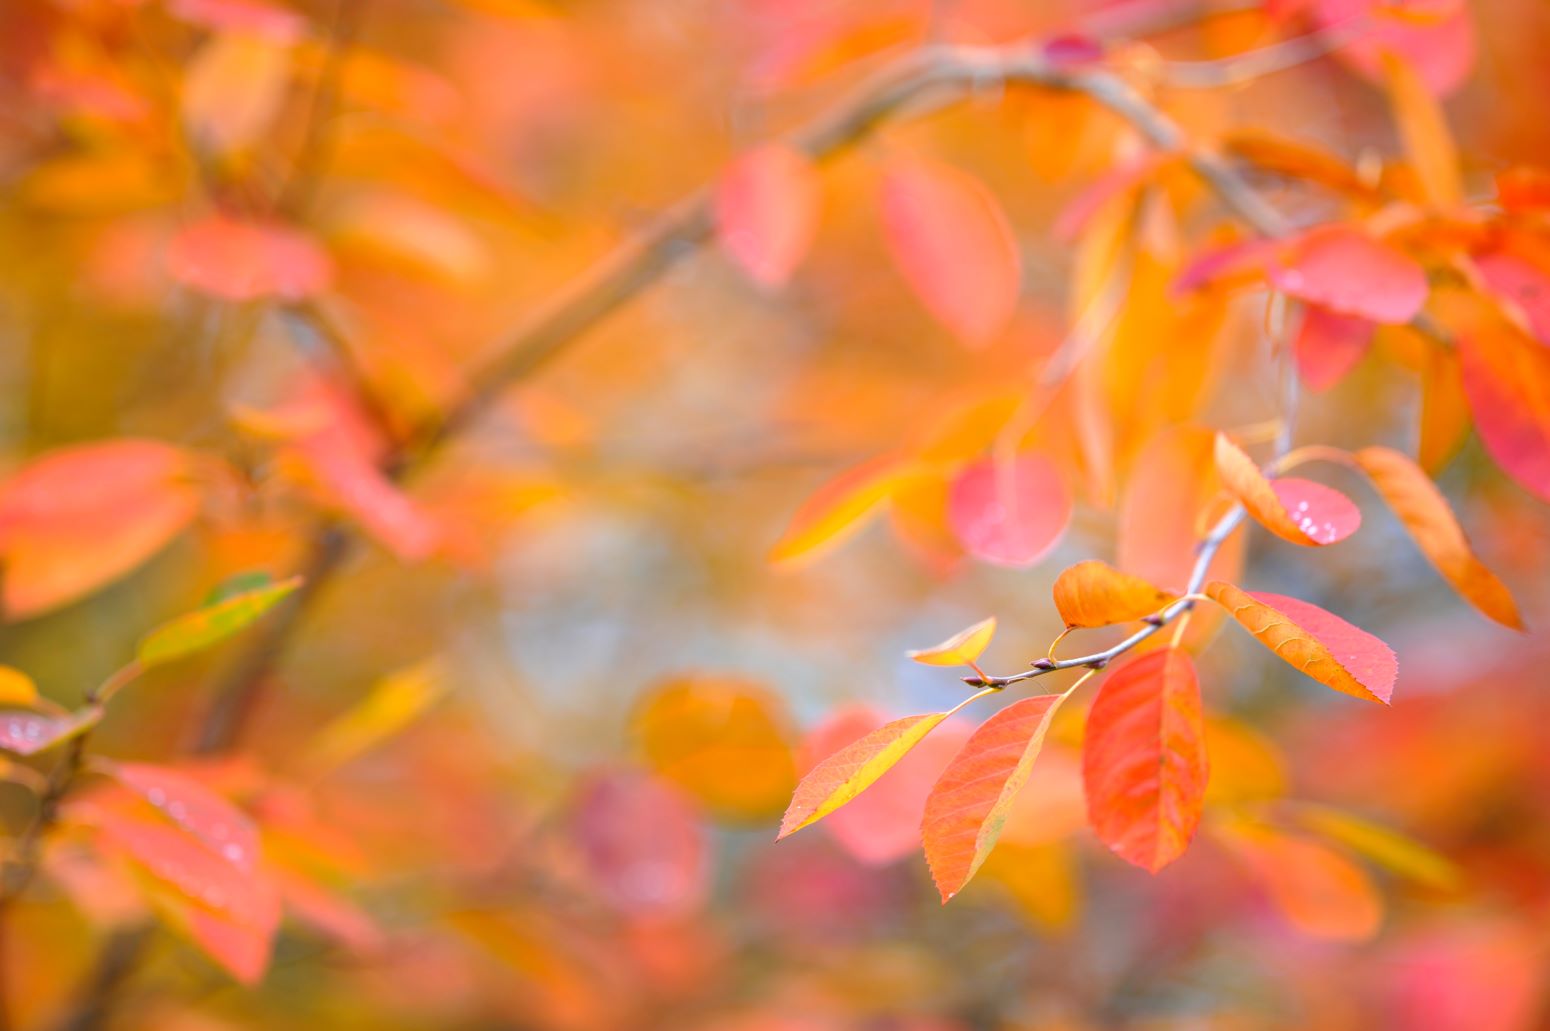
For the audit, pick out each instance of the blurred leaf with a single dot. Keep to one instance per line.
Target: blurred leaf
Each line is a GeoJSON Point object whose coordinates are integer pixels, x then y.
{"type": "Point", "coordinates": [1329, 346]}
{"type": "Point", "coordinates": [839, 509]}
{"type": "Point", "coordinates": [28, 733]}
{"type": "Point", "coordinates": [1318, 643]}
{"type": "Point", "coordinates": [395, 702]}
{"type": "Point", "coordinates": [1319, 891]}
{"type": "Point", "coordinates": [213, 820]}
{"type": "Point", "coordinates": [1424, 131]}
{"type": "Point", "coordinates": [233, 89]}
{"type": "Point", "coordinates": [211, 625]}
{"type": "Point", "coordinates": [17, 689]}
{"type": "Point", "coordinates": [1010, 513]}
{"type": "Point", "coordinates": [767, 211]}
{"type": "Point", "coordinates": [241, 259]}
{"type": "Point", "coordinates": [641, 843]}
{"type": "Point", "coordinates": [1387, 848]}
{"type": "Point", "coordinates": [1351, 273]}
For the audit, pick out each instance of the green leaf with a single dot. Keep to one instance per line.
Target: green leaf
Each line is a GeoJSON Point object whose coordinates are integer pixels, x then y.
{"type": "Point", "coordinates": [210, 625]}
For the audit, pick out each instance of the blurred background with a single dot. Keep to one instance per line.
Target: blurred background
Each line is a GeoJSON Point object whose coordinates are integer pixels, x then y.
{"type": "Point", "coordinates": [521, 760]}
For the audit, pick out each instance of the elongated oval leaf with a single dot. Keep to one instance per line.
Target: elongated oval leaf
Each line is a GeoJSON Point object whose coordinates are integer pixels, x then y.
{"type": "Point", "coordinates": [1094, 593]}
{"type": "Point", "coordinates": [1318, 643]}
{"type": "Point", "coordinates": [960, 649]}
{"type": "Point", "coordinates": [1329, 345]}
{"type": "Point", "coordinates": [1423, 129]}
{"type": "Point", "coordinates": [968, 807]}
{"type": "Point", "coordinates": [1144, 759]}
{"type": "Point", "coordinates": [1421, 507]}
{"type": "Point", "coordinates": [950, 239]}
{"type": "Point", "coordinates": [839, 509]}
{"type": "Point", "coordinates": [1386, 847]}
{"type": "Point", "coordinates": [766, 212]}
{"type": "Point", "coordinates": [28, 733]}
{"type": "Point", "coordinates": [1009, 513]}
{"type": "Point", "coordinates": [1347, 271]}
{"type": "Point", "coordinates": [210, 625]}
{"type": "Point", "coordinates": [223, 828]}
{"type": "Point", "coordinates": [1506, 376]}
{"type": "Point", "coordinates": [853, 769]}
{"type": "Point", "coordinates": [1293, 509]}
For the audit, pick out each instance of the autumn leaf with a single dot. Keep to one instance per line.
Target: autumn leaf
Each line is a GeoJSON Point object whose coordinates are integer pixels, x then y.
{"type": "Point", "coordinates": [1329, 345]}
{"type": "Point", "coordinates": [968, 807]}
{"type": "Point", "coordinates": [240, 259]}
{"type": "Point", "coordinates": [1144, 759]}
{"type": "Point", "coordinates": [1423, 510]}
{"type": "Point", "coordinates": [211, 625]}
{"type": "Point", "coordinates": [233, 90]}
{"type": "Point", "coordinates": [1010, 513]}
{"type": "Point", "coordinates": [1317, 889]}
{"type": "Point", "coordinates": [954, 246]}
{"type": "Point", "coordinates": [1435, 37]}
{"type": "Point", "coordinates": [856, 767]}
{"type": "Point", "coordinates": [213, 820]}
{"type": "Point", "coordinates": [1172, 493]}
{"type": "Point", "coordinates": [642, 843]}
{"type": "Point", "coordinates": [1094, 593]}
{"type": "Point", "coordinates": [1381, 845]}
{"type": "Point", "coordinates": [1349, 272]}
{"type": "Point", "coordinates": [28, 733]}
{"type": "Point", "coordinates": [839, 509]}
{"type": "Point", "coordinates": [392, 705]}
{"type": "Point", "coordinates": [1318, 643]}
{"type": "Point", "coordinates": [1293, 509]}
{"type": "Point", "coordinates": [961, 649]}
{"type": "Point", "coordinates": [1424, 131]}
{"type": "Point", "coordinates": [767, 211]}
{"type": "Point", "coordinates": [17, 689]}
{"type": "Point", "coordinates": [1506, 376]}
{"type": "Point", "coordinates": [78, 518]}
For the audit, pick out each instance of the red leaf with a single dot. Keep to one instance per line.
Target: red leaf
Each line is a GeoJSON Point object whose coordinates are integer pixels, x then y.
{"type": "Point", "coordinates": [767, 211]}
{"type": "Point", "coordinates": [1437, 37]}
{"type": "Point", "coordinates": [968, 807]}
{"type": "Point", "coordinates": [1351, 273]}
{"type": "Point", "coordinates": [1329, 346]}
{"type": "Point", "coordinates": [1507, 383]}
{"type": "Point", "coordinates": [223, 828]}
{"type": "Point", "coordinates": [80, 517]}
{"type": "Point", "coordinates": [1522, 283]}
{"type": "Point", "coordinates": [1323, 513]}
{"type": "Point", "coordinates": [244, 260]}
{"type": "Point", "coordinates": [1144, 759]}
{"type": "Point", "coordinates": [953, 244]}
{"type": "Point", "coordinates": [1009, 513]}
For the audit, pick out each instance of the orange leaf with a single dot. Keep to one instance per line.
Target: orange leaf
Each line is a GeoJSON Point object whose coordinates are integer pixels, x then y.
{"type": "Point", "coordinates": [1318, 643]}
{"type": "Point", "coordinates": [1506, 375]}
{"type": "Point", "coordinates": [968, 807]}
{"type": "Point", "coordinates": [1144, 759]}
{"type": "Point", "coordinates": [1094, 593]}
{"type": "Point", "coordinates": [767, 210]}
{"type": "Point", "coordinates": [1436, 37]}
{"type": "Point", "coordinates": [960, 649]}
{"type": "Point", "coordinates": [80, 517]}
{"type": "Point", "coordinates": [1170, 496]}
{"type": "Point", "coordinates": [1009, 513]}
{"type": "Point", "coordinates": [214, 821]}
{"type": "Point", "coordinates": [245, 259]}
{"type": "Point", "coordinates": [854, 768]}
{"type": "Point", "coordinates": [1296, 510]}
{"type": "Point", "coordinates": [1351, 273]}
{"type": "Point", "coordinates": [953, 244]}
{"type": "Point", "coordinates": [233, 90]}
{"type": "Point", "coordinates": [1424, 131]}
{"type": "Point", "coordinates": [839, 509]}
{"type": "Point", "coordinates": [1425, 512]}
{"type": "Point", "coordinates": [1317, 889]}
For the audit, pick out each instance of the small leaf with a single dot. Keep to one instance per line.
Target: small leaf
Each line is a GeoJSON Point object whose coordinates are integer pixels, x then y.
{"type": "Point", "coordinates": [839, 509]}
{"type": "Point", "coordinates": [1318, 890]}
{"type": "Point", "coordinates": [28, 733]}
{"type": "Point", "coordinates": [1009, 513]}
{"type": "Point", "coordinates": [1144, 759]}
{"type": "Point", "coordinates": [968, 807]}
{"type": "Point", "coordinates": [1318, 643]}
{"type": "Point", "coordinates": [209, 626]}
{"type": "Point", "coordinates": [766, 212]}
{"type": "Point", "coordinates": [1329, 346]}
{"type": "Point", "coordinates": [960, 649]}
{"type": "Point", "coordinates": [1094, 593]}
{"type": "Point", "coordinates": [1388, 848]}
{"type": "Point", "coordinates": [1351, 273]}
{"type": "Point", "coordinates": [1296, 510]}
{"type": "Point", "coordinates": [17, 689]}
{"type": "Point", "coordinates": [223, 828]}
{"type": "Point", "coordinates": [393, 704]}
{"type": "Point", "coordinates": [856, 767]}
{"type": "Point", "coordinates": [1423, 510]}
{"type": "Point", "coordinates": [950, 239]}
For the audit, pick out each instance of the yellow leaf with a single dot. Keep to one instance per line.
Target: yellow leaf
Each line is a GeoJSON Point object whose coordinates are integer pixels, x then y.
{"type": "Point", "coordinates": [1424, 132]}
{"type": "Point", "coordinates": [393, 704]}
{"type": "Point", "coordinates": [960, 649]}
{"type": "Point", "coordinates": [17, 688]}
{"type": "Point", "coordinates": [839, 509]}
{"type": "Point", "coordinates": [1093, 593]}
{"type": "Point", "coordinates": [1384, 846]}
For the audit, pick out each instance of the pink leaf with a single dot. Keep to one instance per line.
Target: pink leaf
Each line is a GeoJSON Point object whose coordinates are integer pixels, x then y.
{"type": "Point", "coordinates": [953, 244]}
{"type": "Point", "coordinates": [1009, 513]}
{"type": "Point", "coordinates": [1436, 37]}
{"type": "Point", "coordinates": [244, 260]}
{"type": "Point", "coordinates": [1329, 346]}
{"type": "Point", "coordinates": [767, 211]}
{"type": "Point", "coordinates": [1351, 273]}
{"type": "Point", "coordinates": [1322, 513]}
{"type": "Point", "coordinates": [223, 828]}
{"type": "Point", "coordinates": [641, 841]}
